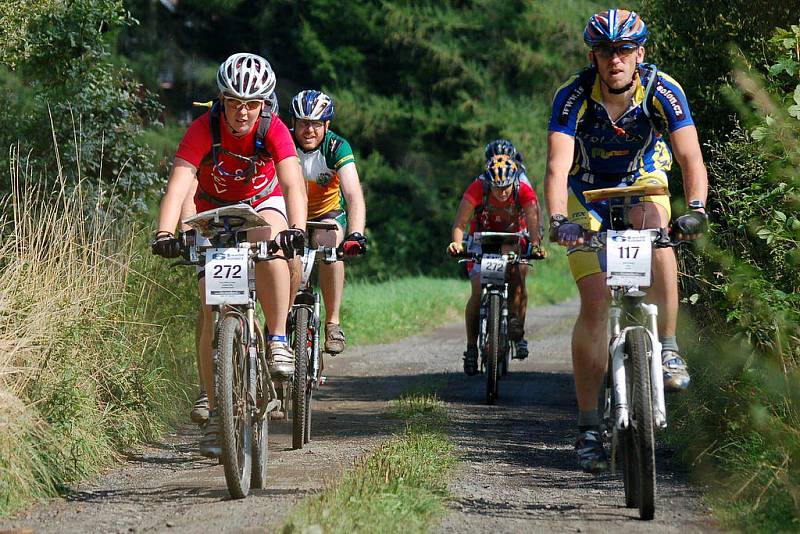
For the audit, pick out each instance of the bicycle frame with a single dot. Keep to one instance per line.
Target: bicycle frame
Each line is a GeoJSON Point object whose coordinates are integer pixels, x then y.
{"type": "Point", "coordinates": [227, 236]}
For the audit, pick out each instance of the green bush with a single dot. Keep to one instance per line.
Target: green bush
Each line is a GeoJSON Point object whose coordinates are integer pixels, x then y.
{"type": "Point", "coordinates": [59, 82]}
{"type": "Point", "coordinates": [740, 418]}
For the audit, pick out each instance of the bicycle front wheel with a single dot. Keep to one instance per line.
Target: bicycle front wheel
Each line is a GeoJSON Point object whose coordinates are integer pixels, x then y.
{"type": "Point", "coordinates": [492, 348]}
{"type": "Point", "coordinates": [643, 439]}
{"type": "Point", "coordinates": [258, 479]}
{"type": "Point", "coordinates": [300, 383]}
{"type": "Point", "coordinates": [232, 404]}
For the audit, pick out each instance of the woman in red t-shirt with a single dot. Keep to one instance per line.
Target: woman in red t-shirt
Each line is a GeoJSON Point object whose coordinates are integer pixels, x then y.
{"type": "Point", "coordinates": [502, 210]}
{"type": "Point", "coordinates": [235, 173]}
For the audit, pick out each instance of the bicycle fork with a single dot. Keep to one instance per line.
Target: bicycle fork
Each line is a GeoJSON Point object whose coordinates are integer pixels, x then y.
{"type": "Point", "coordinates": [617, 349]}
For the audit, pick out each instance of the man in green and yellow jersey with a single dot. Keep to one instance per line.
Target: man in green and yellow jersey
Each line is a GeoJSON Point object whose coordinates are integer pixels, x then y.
{"type": "Point", "coordinates": [329, 168]}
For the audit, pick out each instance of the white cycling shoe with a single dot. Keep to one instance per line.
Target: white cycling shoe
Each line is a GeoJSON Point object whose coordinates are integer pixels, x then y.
{"type": "Point", "coordinates": [281, 360]}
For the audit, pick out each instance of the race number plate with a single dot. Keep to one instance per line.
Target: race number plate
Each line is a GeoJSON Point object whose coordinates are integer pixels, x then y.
{"type": "Point", "coordinates": [226, 276]}
{"type": "Point", "coordinates": [628, 255]}
{"type": "Point", "coordinates": [493, 269]}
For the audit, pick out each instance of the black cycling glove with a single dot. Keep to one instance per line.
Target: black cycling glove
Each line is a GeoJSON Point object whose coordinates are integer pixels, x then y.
{"type": "Point", "coordinates": [291, 241]}
{"type": "Point", "coordinates": [166, 245]}
{"type": "Point", "coordinates": [691, 223]}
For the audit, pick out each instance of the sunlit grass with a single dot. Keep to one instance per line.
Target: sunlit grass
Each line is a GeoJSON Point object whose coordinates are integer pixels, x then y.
{"type": "Point", "coordinates": [400, 488]}
{"type": "Point", "coordinates": [385, 311]}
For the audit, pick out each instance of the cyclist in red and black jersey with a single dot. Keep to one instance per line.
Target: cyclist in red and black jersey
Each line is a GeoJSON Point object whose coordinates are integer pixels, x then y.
{"type": "Point", "coordinates": [240, 151]}
{"type": "Point", "coordinates": [499, 202]}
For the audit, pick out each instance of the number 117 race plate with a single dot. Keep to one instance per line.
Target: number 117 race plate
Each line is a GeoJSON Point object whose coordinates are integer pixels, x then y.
{"type": "Point", "coordinates": [628, 254]}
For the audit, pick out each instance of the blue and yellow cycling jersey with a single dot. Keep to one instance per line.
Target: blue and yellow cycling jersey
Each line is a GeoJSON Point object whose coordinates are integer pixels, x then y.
{"type": "Point", "coordinates": [615, 154]}
{"type": "Point", "coordinates": [633, 145]}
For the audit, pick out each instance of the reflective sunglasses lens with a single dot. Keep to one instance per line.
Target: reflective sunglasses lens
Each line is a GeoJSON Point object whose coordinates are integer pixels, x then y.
{"type": "Point", "coordinates": [237, 104]}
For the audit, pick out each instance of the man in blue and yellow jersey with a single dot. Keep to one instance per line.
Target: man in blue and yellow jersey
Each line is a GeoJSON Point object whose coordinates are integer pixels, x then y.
{"type": "Point", "coordinates": [332, 182]}
{"type": "Point", "coordinates": [607, 129]}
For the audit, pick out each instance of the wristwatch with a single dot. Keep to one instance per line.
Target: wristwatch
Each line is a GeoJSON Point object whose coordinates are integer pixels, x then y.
{"type": "Point", "coordinates": [556, 221]}
{"type": "Point", "coordinates": [696, 205]}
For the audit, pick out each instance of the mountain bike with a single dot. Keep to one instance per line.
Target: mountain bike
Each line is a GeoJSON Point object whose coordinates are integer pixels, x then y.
{"type": "Point", "coordinates": [494, 252]}
{"type": "Point", "coordinates": [245, 392]}
{"type": "Point", "coordinates": [632, 400]}
{"type": "Point", "coordinates": [304, 322]}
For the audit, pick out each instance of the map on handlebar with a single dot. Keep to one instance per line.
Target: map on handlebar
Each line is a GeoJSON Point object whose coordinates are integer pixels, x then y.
{"type": "Point", "coordinates": [236, 218]}
{"type": "Point", "coordinates": [595, 195]}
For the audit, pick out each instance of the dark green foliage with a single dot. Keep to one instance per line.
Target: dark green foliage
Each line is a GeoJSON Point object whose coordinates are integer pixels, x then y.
{"type": "Point", "coordinates": [419, 88]}
{"type": "Point", "coordinates": [691, 40]}
{"type": "Point", "coordinates": [741, 416]}
{"type": "Point", "coordinates": [66, 103]}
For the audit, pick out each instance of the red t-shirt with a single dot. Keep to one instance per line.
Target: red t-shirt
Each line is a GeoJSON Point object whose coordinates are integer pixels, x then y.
{"type": "Point", "coordinates": [499, 216]}
{"type": "Point", "coordinates": [196, 145]}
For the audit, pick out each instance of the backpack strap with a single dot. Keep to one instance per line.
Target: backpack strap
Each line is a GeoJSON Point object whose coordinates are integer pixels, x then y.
{"type": "Point", "coordinates": [649, 72]}
{"type": "Point", "coordinates": [484, 205]}
{"type": "Point", "coordinates": [216, 137]}
{"type": "Point", "coordinates": [261, 132]}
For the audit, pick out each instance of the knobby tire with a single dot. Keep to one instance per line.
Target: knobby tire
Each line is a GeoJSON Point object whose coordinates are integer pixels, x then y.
{"type": "Point", "coordinates": [232, 404]}
{"type": "Point", "coordinates": [492, 348]}
{"type": "Point", "coordinates": [300, 408]}
{"type": "Point", "coordinates": [258, 480]}
{"type": "Point", "coordinates": [643, 442]}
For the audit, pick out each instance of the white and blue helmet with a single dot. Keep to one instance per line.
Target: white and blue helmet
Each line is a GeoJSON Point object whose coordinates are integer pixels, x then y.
{"type": "Point", "coordinates": [312, 105]}
{"type": "Point", "coordinates": [615, 26]}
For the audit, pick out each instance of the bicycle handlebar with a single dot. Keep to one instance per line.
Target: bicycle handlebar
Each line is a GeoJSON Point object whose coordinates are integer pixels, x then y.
{"type": "Point", "coordinates": [596, 241]}
{"type": "Point", "coordinates": [265, 251]}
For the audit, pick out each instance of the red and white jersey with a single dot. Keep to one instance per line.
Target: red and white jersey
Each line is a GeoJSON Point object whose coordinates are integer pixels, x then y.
{"type": "Point", "coordinates": [195, 148]}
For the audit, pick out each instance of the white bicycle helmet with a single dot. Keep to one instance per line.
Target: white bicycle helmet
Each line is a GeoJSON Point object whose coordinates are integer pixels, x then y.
{"type": "Point", "coordinates": [246, 76]}
{"type": "Point", "coordinates": [312, 105]}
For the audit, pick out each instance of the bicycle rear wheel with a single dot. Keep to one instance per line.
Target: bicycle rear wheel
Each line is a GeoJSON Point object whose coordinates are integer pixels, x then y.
{"type": "Point", "coordinates": [643, 439]}
{"type": "Point", "coordinates": [300, 382]}
{"type": "Point", "coordinates": [492, 348]}
{"type": "Point", "coordinates": [258, 479]}
{"type": "Point", "coordinates": [232, 404]}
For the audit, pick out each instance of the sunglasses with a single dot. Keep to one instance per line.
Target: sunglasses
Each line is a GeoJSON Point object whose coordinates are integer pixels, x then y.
{"type": "Point", "coordinates": [607, 52]}
{"type": "Point", "coordinates": [302, 124]}
{"type": "Point", "coordinates": [237, 104]}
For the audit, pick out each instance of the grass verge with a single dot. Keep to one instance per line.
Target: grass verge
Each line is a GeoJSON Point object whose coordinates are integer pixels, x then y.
{"type": "Point", "coordinates": [738, 429]}
{"type": "Point", "coordinates": [401, 487]}
{"type": "Point", "coordinates": [96, 341]}
{"type": "Point", "coordinates": [383, 312]}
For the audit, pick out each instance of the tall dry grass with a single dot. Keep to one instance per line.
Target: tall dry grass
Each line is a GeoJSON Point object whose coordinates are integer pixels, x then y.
{"type": "Point", "coordinates": [94, 347]}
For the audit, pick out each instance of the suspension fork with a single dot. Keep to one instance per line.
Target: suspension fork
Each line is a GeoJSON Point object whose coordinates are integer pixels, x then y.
{"type": "Point", "coordinates": [650, 314]}
{"type": "Point", "coordinates": [616, 351]}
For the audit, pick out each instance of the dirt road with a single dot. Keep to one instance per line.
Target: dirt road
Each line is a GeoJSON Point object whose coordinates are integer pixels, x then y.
{"type": "Point", "coordinates": [518, 473]}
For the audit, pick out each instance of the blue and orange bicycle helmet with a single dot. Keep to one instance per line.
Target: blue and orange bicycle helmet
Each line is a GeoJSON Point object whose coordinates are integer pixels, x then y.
{"type": "Point", "coordinates": [501, 171]}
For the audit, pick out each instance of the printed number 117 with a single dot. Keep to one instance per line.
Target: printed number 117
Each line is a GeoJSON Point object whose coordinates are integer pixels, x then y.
{"type": "Point", "coordinates": [625, 252]}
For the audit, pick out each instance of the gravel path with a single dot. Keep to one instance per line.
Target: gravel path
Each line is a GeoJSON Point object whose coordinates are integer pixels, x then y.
{"type": "Point", "coordinates": [517, 472]}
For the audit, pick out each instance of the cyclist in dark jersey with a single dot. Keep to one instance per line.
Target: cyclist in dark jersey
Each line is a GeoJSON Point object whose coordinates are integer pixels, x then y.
{"type": "Point", "coordinates": [607, 129]}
